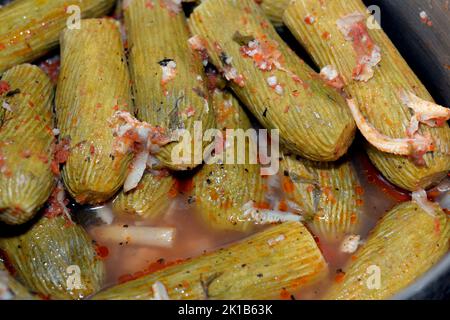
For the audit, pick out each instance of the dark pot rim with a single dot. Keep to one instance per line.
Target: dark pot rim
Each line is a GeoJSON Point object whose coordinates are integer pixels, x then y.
{"type": "Point", "coordinates": [434, 284]}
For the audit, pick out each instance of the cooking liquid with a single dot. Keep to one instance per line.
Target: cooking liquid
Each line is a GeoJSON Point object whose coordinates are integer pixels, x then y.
{"type": "Point", "coordinates": [193, 237]}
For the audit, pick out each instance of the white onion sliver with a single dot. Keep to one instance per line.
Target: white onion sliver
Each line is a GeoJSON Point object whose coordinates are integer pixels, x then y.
{"type": "Point", "coordinates": [329, 72]}
{"type": "Point", "coordinates": [133, 235]}
{"type": "Point", "coordinates": [138, 168]}
{"type": "Point", "coordinates": [159, 291]}
{"type": "Point", "coordinates": [420, 197]}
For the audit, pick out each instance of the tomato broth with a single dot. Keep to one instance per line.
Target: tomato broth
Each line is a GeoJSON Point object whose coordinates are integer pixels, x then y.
{"type": "Point", "coordinates": [193, 237]}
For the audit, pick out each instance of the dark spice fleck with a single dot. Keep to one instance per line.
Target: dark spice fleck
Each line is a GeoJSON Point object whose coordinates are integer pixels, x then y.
{"type": "Point", "coordinates": [12, 93]}
{"type": "Point", "coordinates": [340, 271]}
{"type": "Point", "coordinates": [165, 62]}
{"type": "Point", "coordinates": [191, 199]}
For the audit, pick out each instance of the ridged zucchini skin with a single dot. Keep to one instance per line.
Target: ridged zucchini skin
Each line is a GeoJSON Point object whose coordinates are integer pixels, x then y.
{"type": "Point", "coordinates": [221, 190]}
{"type": "Point", "coordinates": [404, 245]}
{"type": "Point", "coordinates": [30, 28]}
{"type": "Point", "coordinates": [313, 119]}
{"type": "Point", "coordinates": [93, 84]}
{"type": "Point", "coordinates": [156, 35]}
{"type": "Point", "coordinates": [149, 200]}
{"type": "Point", "coordinates": [15, 290]}
{"type": "Point", "coordinates": [274, 10]}
{"type": "Point", "coordinates": [254, 268]}
{"type": "Point", "coordinates": [26, 144]}
{"type": "Point", "coordinates": [41, 257]}
{"type": "Point", "coordinates": [378, 99]}
{"type": "Point", "coordinates": [329, 193]}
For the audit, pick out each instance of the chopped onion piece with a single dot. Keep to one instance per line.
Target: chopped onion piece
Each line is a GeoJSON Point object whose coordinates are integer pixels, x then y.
{"type": "Point", "coordinates": [264, 53]}
{"type": "Point", "coordinates": [423, 15]}
{"type": "Point", "coordinates": [169, 71]}
{"type": "Point", "coordinates": [350, 243]}
{"type": "Point", "coordinates": [139, 137]}
{"type": "Point", "coordinates": [345, 24]}
{"type": "Point", "coordinates": [272, 81]}
{"type": "Point", "coordinates": [124, 123]}
{"type": "Point", "coordinates": [331, 76]}
{"type": "Point", "coordinates": [368, 63]}
{"type": "Point", "coordinates": [329, 73]}
{"type": "Point", "coordinates": [197, 43]}
{"type": "Point", "coordinates": [354, 29]}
